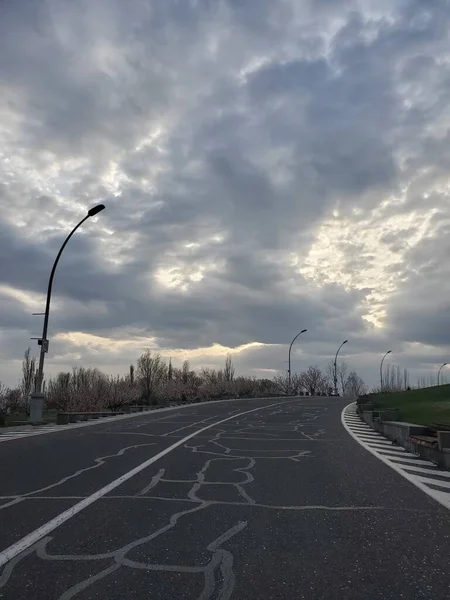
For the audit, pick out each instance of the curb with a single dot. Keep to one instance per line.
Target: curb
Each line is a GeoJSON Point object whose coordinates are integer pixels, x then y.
{"type": "Point", "coordinates": [397, 458]}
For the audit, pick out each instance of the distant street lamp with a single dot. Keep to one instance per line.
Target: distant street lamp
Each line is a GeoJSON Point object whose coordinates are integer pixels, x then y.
{"type": "Point", "coordinates": [439, 372]}
{"type": "Point", "coordinates": [335, 367]}
{"type": "Point", "coordinates": [381, 370]}
{"type": "Point", "coordinates": [37, 398]}
{"type": "Point", "coordinates": [289, 361]}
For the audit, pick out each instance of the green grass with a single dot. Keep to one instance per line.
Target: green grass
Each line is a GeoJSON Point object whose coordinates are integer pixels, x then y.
{"type": "Point", "coordinates": [424, 406]}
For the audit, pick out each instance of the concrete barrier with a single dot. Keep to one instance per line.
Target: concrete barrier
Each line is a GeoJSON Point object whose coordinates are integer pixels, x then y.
{"type": "Point", "coordinates": [400, 433]}
{"type": "Point", "coordinates": [443, 440]}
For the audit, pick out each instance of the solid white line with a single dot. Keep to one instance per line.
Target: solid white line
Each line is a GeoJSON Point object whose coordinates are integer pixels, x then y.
{"type": "Point", "coordinates": [441, 497]}
{"type": "Point", "coordinates": [381, 442]}
{"type": "Point", "coordinates": [37, 534]}
{"type": "Point", "coordinates": [431, 471]}
{"type": "Point", "coordinates": [405, 461]}
{"type": "Point", "coordinates": [62, 428]}
{"type": "Point", "coordinates": [394, 451]}
{"type": "Point", "coordinates": [363, 430]}
{"type": "Point", "coordinates": [444, 484]}
{"type": "Point", "coordinates": [396, 454]}
{"type": "Point", "coordinates": [385, 446]}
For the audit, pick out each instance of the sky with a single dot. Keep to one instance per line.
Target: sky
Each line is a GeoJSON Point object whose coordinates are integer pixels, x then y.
{"type": "Point", "coordinates": [265, 166]}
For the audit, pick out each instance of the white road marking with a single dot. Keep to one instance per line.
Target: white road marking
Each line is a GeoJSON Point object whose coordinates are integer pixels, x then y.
{"type": "Point", "coordinates": [366, 430]}
{"type": "Point", "coordinates": [400, 463]}
{"type": "Point", "coordinates": [9, 436]}
{"type": "Point", "coordinates": [444, 484]}
{"type": "Point", "coordinates": [386, 446]}
{"type": "Point", "coordinates": [33, 537]}
{"type": "Point", "coordinates": [431, 470]}
{"type": "Point", "coordinates": [382, 443]}
{"type": "Point", "coordinates": [400, 460]}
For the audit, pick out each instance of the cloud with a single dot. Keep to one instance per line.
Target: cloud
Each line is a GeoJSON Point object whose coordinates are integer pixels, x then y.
{"type": "Point", "coordinates": [265, 166]}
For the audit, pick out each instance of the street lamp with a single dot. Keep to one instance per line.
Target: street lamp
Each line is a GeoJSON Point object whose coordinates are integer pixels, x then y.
{"type": "Point", "coordinates": [439, 372]}
{"type": "Point", "coordinates": [37, 398]}
{"type": "Point", "coordinates": [335, 367]}
{"type": "Point", "coordinates": [289, 361]}
{"type": "Point", "coordinates": [381, 370]}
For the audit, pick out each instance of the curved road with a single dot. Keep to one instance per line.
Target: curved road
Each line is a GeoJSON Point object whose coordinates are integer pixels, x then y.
{"type": "Point", "coordinates": [271, 499]}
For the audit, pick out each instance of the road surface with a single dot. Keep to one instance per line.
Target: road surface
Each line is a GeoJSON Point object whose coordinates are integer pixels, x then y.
{"type": "Point", "coordinates": [272, 499]}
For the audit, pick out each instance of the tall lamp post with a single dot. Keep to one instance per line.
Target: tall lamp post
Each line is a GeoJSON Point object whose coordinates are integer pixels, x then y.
{"type": "Point", "coordinates": [37, 398]}
{"type": "Point", "coordinates": [335, 367]}
{"type": "Point", "coordinates": [439, 372]}
{"type": "Point", "coordinates": [289, 359]}
{"type": "Point", "coordinates": [381, 370]}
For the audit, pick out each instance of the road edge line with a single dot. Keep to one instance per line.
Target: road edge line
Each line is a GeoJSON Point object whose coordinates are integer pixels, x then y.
{"type": "Point", "coordinates": [114, 418]}
{"type": "Point", "coordinates": [428, 491]}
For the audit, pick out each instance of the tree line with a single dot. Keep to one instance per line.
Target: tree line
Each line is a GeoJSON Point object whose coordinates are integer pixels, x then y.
{"type": "Point", "coordinates": [396, 379]}
{"type": "Point", "coordinates": [156, 381]}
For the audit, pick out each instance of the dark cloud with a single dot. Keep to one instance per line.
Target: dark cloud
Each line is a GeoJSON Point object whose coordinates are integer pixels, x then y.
{"type": "Point", "coordinates": [225, 138]}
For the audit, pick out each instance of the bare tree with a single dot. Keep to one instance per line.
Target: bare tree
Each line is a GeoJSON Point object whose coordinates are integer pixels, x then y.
{"type": "Point", "coordinates": [151, 371]}
{"type": "Point", "coordinates": [355, 385]}
{"type": "Point", "coordinates": [313, 380]}
{"type": "Point", "coordinates": [208, 376]}
{"type": "Point", "coordinates": [82, 390]}
{"type": "Point", "coordinates": [282, 383]}
{"type": "Point", "coordinates": [393, 381]}
{"type": "Point", "coordinates": [405, 379]}
{"type": "Point", "coordinates": [58, 393]}
{"type": "Point", "coordinates": [120, 392]}
{"type": "Point", "coordinates": [341, 373]}
{"type": "Point", "coordinates": [229, 369]}
{"type": "Point", "coordinates": [185, 372]}
{"type": "Point", "coordinates": [3, 398]}
{"type": "Point", "coordinates": [28, 376]}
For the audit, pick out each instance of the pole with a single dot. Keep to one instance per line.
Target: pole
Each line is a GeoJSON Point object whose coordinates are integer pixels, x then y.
{"type": "Point", "coordinates": [37, 398]}
{"type": "Point", "coordinates": [289, 359]}
{"type": "Point", "coordinates": [381, 370]}
{"type": "Point", "coordinates": [335, 368]}
{"type": "Point", "coordinates": [439, 372]}
{"type": "Point", "coordinates": [44, 347]}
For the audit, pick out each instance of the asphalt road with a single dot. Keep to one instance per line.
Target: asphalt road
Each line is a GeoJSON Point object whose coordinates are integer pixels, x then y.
{"type": "Point", "coordinates": [277, 503]}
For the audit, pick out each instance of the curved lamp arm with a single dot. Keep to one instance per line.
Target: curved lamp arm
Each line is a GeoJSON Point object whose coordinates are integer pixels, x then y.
{"type": "Point", "coordinates": [38, 385]}
{"type": "Point", "coordinates": [289, 359]}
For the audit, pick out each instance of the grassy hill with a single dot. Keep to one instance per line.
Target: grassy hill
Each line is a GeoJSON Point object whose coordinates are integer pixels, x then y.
{"type": "Point", "coordinates": [424, 406]}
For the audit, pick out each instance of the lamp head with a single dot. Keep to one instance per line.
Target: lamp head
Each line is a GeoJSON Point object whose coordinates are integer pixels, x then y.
{"type": "Point", "coordinates": [95, 210]}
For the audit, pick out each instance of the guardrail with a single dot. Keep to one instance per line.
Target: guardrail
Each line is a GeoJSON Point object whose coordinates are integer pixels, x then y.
{"type": "Point", "coordinates": [64, 418]}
